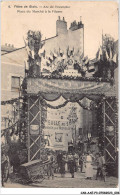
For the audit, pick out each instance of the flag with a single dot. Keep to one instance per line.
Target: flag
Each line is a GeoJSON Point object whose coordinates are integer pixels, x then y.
{"type": "Point", "coordinates": [91, 67]}
{"type": "Point", "coordinates": [115, 58]}
{"type": "Point", "coordinates": [77, 59]}
{"type": "Point", "coordinates": [42, 52]}
{"type": "Point", "coordinates": [44, 63]}
{"type": "Point", "coordinates": [106, 54]}
{"type": "Point", "coordinates": [99, 54]}
{"type": "Point", "coordinates": [68, 52]}
{"type": "Point", "coordinates": [85, 60]}
{"type": "Point", "coordinates": [29, 51]}
{"type": "Point", "coordinates": [64, 57]}
{"type": "Point", "coordinates": [82, 55]}
{"type": "Point", "coordinates": [60, 51]}
{"type": "Point", "coordinates": [26, 64]}
{"type": "Point", "coordinates": [51, 54]}
{"type": "Point", "coordinates": [48, 62]}
{"type": "Point", "coordinates": [77, 53]}
{"type": "Point", "coordinates": [110, 54]}
{"type": "Point", "coordinates": [32, 52]}
{"type": "Point", "coordinates": [104, 37]}
{"type": "Point", "coordinates": [49, 57]}
{"type": "Point", "coordinates": [81, 59]}
{"type": "Point", "coordinates": [72, 52]}
{"type": "Point", "coordinates": [26, 67]}
{"type": "Point", "coordinates": [85, 68]}
{"type": "Point", "coordinates": [55, 54]}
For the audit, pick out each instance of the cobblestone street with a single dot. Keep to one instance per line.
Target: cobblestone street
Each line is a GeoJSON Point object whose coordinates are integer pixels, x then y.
{"type": "Point", "coordinates": [78, 182]}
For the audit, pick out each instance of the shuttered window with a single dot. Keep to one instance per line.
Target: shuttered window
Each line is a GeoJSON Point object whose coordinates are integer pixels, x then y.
{"type": "Point", "coordinates": [15, 82]}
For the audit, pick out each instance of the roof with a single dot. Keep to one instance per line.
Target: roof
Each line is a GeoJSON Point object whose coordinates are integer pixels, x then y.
{"type": "Point", "coordinates": [18, 56]}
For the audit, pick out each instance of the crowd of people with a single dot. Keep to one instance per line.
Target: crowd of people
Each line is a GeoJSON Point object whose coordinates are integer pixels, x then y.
{"type": "Point", "coordinates": [62, 162]}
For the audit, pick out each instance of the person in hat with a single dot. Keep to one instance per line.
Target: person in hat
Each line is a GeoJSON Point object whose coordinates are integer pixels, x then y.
{"type": "Point", "coordinates": [59, 160]}
{"type": "Point", "coordinates": [61, 163]}
{"type": "Point", "coordinates": [100, 165]}
{"type": "Point", "coordinates": [76, 157]}
{"type": "Point", "coordinates": [71, 163]}
{"type": "Point", "coordinates": [51, 165]}
{"type": "Point", "coordinates": [82, 162]}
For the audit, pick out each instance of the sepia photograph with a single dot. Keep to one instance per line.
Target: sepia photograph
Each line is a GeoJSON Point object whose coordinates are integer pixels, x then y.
{"type": "Point", "coordinates": [59, 94]}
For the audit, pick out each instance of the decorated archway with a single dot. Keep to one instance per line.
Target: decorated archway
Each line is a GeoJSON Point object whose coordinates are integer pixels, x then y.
{"type": "Point", "coordinates": [40, 92]}
{"type": "Point", "coordinates": [66, 77]}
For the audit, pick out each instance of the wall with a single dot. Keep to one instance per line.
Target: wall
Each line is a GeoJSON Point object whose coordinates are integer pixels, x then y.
{"type": "Point", "coordinates": [12, 64]}
{"type": "Point", "coordinates": [71, 39]}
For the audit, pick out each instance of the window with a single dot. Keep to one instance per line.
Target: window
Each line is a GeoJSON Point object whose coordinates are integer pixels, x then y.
{"type": "Point", "coordinates": [15, 82]}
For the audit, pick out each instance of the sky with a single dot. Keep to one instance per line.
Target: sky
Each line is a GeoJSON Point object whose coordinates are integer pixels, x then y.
{"type": "Point", "coordinates": [96, 16]}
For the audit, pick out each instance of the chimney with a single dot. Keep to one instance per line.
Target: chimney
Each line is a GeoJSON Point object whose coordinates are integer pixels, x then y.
{"type": "Point", "coordinates": [73, 26]}
{"type": "Point", "coordinates": [81, 19]}
{"type": "Point", "coordinates": [80, 24]}
{"type": "Point", "coordinates": [61, 26]}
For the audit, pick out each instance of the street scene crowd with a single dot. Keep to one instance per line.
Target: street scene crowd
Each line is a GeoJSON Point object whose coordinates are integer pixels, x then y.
{"type": "Point", "coordinates": [62, 162]}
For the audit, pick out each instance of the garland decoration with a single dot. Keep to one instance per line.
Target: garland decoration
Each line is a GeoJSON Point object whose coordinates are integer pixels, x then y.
{"type": "Point", "coordinates": [10, 127]}
{"type": "Point", "coordinates": [57, 63]}
{"type": "Point", "coordinates": [11, 101]}
{"type": "Point", "coordinates": [93, 105]}
{"type": "Point", "coordinates": [54, 107]}
{"type": "Point", "coordinates": [62, 77]}
{"type": "Point", "coordinates": [43, 115]}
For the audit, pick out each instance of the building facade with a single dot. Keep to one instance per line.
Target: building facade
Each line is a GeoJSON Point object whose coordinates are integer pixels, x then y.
{"type": "Point", "coordinates": [57, 132]}
{"type": "Point", "coordinates": [13, 62]}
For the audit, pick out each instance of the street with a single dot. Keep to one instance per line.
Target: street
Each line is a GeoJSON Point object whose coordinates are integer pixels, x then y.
{"type": "Point", "coordinates": [79, 181]}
